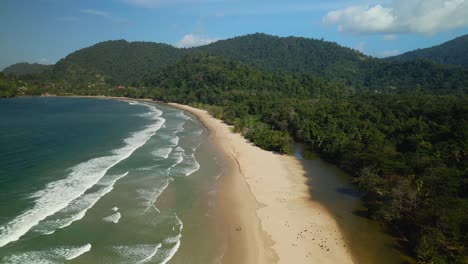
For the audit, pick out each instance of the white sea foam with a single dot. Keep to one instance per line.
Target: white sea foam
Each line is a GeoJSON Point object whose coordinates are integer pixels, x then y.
{"type": "Point", "coordinates": [178, 155]}
{"type": "Point", "coordinates": [137, 253]}
{"type": "Point", "coordinates": [77, 209]}
{"type": "Point", "coordinates": [198, 132]}
{"type": "Point", "coordinates": [191, 166]}
{"type": "Point", "coordinates": [187, 166]}
{"type": "Point", "coordinates": [148, 168]}
{"type": "Point", "coordinates": [73, 253]}
{"type": "Point", "coordinates": [153, 114]}
{"type": "Point", "coordinates": [183, 115]}
{"type": "Point", "coordinates": [150, 196]}
{"type": "Point", "coordinates": [162, 152]}
{"type": "Point", "coordinates": [161, 252]}
{"type": "Point", "coordinates": [168, 254]}
{"type": "Point", "coordinates": [54, 255]}
{"type": "Point", "coordinates": [59, 194]}
{"type": "Point", "coordinates": [113, 218]}
{"type": "Point", "coordinates": [174, 141]}
{"type": "Point", "coordinates": [158, 246]}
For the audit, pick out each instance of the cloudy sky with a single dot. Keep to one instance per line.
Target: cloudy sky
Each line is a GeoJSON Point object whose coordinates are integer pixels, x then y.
{"type": "Point", "coordinates": [46, 30]}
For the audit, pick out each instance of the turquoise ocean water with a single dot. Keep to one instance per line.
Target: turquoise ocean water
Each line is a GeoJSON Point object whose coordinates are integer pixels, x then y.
{"type": "Point", "coordinates": [105, 181]}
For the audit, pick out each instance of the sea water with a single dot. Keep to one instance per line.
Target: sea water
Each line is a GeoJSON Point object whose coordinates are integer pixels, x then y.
{"type": "Point", "coordinates": [104, 181]}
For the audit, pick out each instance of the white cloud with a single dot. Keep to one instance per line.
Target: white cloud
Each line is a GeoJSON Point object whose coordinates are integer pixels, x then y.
{"type": "Point", "coordinates": [43, 61]}
{"type": "Point", "coordinates": [194, 40]}
{"type": "Point", "coordinates": [388, 53]}
{"type": "Point", "coordinates": [360, 46]}
{"type": "Point", "coordinates": [94, 12]}
{"type": "Point", "coordinates": [401, 16]}
{"type": "Point", "coordinates": [389, 37]}
{"type": "Point", "coordinates": [357, 18]}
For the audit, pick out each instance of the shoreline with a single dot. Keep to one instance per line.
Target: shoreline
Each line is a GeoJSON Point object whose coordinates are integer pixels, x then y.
{"type": "Point", "coordinates": [266, 207]}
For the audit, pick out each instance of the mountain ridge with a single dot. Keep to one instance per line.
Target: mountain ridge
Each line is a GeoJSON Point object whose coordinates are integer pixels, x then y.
{"type": "Point", "coordinates": [25, 68]}
{"type": "Point", "coordinates": [452, 52]}
{"type": "Point", "coordinates": [120, 62]}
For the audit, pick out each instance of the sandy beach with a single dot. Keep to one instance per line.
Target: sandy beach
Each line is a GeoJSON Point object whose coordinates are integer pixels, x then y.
{"type": "Point", "coordinates": [266, 207]}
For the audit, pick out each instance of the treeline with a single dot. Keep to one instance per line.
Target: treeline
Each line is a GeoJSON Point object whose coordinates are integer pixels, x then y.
{"type": "Point", "coordinates": [10, 86]}
{"type": "Point", "coordinates": [408, 154]}
{"type": "Point", "coordinates": [404, 140]}
{"type": "Point", "coordinates": [126, 63]}
{"type": "Point", "coordinates": [407, 149]}
{"type": "Point", "coordinates": [452, 52]}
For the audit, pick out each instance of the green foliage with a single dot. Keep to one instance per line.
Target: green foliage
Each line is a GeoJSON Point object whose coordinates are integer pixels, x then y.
{"type": "Point", "coordinates": [452, 52]}
{"type": "Point", "coordinates": [8, 86]}
{"type": "Point", "coordinates": [399, 128]}
{"type": "Point", "coordinates": [209, 79]}
{"type": "Point", "coordinates": [114, 62]}
{"type": "Point", "coordinates": [402, 151]}
{"type": "Point", "coordinates": [293, 54]}
{"type": "Point", "coordinates": [24, 68]}
{"type": "Point", "coordinates": [125, 63]}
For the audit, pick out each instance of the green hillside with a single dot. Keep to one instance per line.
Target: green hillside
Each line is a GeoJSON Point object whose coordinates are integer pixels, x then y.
{"type": "Point", "coordinates": [115, 62]}
{"type": "Point", "coordinates": [293, 54]}
{"type": "Point", "coordinates": [125, 63]}
{"type": "Point", "coordinates": [400, 128]}
{"type": "Point", "coordinates": [24, 68]}
{"type": "Point", "coordinates": [454, 52]}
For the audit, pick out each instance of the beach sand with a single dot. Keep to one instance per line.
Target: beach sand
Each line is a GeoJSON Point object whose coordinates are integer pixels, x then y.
{"type": "Point", "coordinates": [265, 206]}
{"type": "Point", "coordinates": [265, 209]}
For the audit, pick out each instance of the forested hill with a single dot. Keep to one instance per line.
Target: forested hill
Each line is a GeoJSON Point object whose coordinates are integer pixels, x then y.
{"type": "Point", "coordinates": [454, 52]}
{"type": "Point", "coordinates": [122, 62]}
{"type": "Point", "coordinates": [125, 63]}
{"type": "Point", "coordinates": [24, 68]}
{"type": "Point", "coordinates": [294, 54]}
{"type": "Point", "coordinates": [400, 128]}
{"type": "Point", "coordinates": [115, 62]}
{"type": "Point", "coordinates": [209, 79]}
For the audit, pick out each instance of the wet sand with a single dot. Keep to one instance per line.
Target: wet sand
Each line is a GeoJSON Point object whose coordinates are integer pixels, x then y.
{"type": "Point", "coordinates": [265, 205]}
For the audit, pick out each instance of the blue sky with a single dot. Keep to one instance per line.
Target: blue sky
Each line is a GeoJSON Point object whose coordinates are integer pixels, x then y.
{"type": "Point", "coordinates": [45, 31]}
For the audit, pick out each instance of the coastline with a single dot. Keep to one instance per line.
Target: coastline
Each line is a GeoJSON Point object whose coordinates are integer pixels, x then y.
{"type": "Point", "coordinates": [266, 207]}
{"type": "Point", "coordinates": [264, 204]}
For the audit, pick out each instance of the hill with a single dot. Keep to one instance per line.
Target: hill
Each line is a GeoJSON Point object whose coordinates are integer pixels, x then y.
{"type": "Point", "coordinates": [398, 127]}
{"type": "Point", "coordinates": [24, 68]}
{"type": "Point", "coordinates": [209, 78]}
{"type": "Point", "coordinates": [115, 62]}
{"type": "Point", "coordinates": [294, 54]}
{"type": "Point", "coordinates": [126, 63]}
{"type": "Point", "coordinates": [121, 62]}
{"type": "Point", "coordinates": [454, 52]}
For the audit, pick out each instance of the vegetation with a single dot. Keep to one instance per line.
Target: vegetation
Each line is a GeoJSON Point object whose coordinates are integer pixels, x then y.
{"type": "Point", "coordinates": [114, 62]}
{"type": "Point", "coordinates": [409, 155]}
{"type": "Point", "coordinates": [451, 52]}
{"type": "Point", "coordinates": [399, 128]}
{"type": "Point", "coordinates": [24, 68]}
{"type": "Point", "coordinates": [8, 86]}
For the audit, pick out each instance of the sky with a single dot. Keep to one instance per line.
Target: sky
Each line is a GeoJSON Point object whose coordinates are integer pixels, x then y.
{"type": "Point", "coordinates": [44, 31]}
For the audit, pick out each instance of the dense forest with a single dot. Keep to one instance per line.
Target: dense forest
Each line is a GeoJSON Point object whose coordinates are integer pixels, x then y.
{"type": "Point", "coordinates": [24, 68]}
{"type": "Point", "coordinates": [399, 128]}
{"type": "Point", "coordinates": [451, 52]}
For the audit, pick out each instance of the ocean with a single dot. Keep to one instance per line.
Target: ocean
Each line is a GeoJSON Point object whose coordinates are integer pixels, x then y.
{"type": "Point", "coordinates": [86, 180]}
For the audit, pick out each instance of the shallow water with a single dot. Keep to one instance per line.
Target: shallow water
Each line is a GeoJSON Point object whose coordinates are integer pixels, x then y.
{"type": "Point", "coordinates": [331, 187]}
{"type": "Point", "coordinates": [104, 181]}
